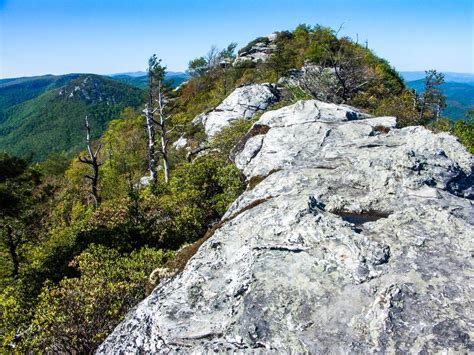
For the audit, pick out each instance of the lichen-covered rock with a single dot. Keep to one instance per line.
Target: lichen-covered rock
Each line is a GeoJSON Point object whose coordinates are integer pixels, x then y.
{"type": "Point", "coordinates": [181, 142]}
{"type": "Point", "coordinates": [352, 240]}
{"type": "Point", "coordinates": [243, 102]}
{"type": "Point", "coordinates": [259, 51]}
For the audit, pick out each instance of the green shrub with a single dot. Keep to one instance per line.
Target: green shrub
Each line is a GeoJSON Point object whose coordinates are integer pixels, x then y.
{"type": "Point", "coordinates": [77, 314]}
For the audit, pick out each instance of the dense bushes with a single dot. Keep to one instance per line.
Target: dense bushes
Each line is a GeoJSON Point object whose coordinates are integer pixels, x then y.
{"type": "Point", "coordinates": [77, 314]}
{"type": "Point", "coordinates": [85, 266]}
{"type": "Point", "coordinates": [462, 129]}
{"type": "Point", "coordinates": [80, 268]}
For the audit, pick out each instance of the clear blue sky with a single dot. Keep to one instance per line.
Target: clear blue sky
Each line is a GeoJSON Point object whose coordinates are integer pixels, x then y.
{"type": "Point", "coordinates": [110, 36]}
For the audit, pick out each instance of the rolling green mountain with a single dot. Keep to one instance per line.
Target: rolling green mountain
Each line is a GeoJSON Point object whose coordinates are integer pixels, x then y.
{"type": "Point", "coordinates": [39, 117]}
{"type": "Point", "coordinates": [17, 90]}
{"type": "Point", "coordinates": [459, 97]}
{"type": "Point", "coordinates": [140, 80]}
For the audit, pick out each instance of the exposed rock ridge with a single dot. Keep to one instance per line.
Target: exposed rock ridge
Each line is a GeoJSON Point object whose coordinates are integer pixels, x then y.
{"type": "Point", "coordinates": [393, 273]}
{"type": "Point", "coordinates": [258, 51]}
{"type": "Point", "coordinates": [89, 89]}
{"type": "Point", "coordinates": [243, 102]}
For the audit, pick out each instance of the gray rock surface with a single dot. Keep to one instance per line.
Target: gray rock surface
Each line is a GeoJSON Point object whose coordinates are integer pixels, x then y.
{"type": "Point", "coordinates": [181, 142]}
{"type": "Point", "coordinates": [258, 52]}
{"type": "Point", "coordinates": [243, 102]}
{"type": "Point", "coordinates": [358, 238]}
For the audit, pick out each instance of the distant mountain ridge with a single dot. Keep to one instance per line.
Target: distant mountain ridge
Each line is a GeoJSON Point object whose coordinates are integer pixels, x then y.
{"type": "Point", "coordinates": [17, 90]}
{"type": "Point", "coordinates": [140, 80]}
{"type": "Point", "coordinates": [40, 116]}
{"type": "Point", "coordinates": [459, 97]}
{"type": "Point", "coordinates": [44, 114]}
{"type": "Point", "coordinates": [467, 78]}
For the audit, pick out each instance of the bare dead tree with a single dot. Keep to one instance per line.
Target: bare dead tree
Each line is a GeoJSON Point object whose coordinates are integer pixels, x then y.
{"type": "Point", "coordinates": [351, 72]}
{"type": "Point", "coordinates": [162, 125]}
{"type": "Point", "coordinates": [157, 104]}
{"type": "Point", "coordinates": [150, 128]}
{"type": "Point", "coordinates": [93, 162]}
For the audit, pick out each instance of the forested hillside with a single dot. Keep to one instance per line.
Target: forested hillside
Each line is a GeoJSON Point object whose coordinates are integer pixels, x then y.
{"type": "Point", "coordinates": [46, 115]}
{"type": "Point", "coordinates": [17, 90]}
{"type": "Point", "coordinates": [84, 239]}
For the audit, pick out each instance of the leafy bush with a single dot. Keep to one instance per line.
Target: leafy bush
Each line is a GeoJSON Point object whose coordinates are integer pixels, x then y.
{"type": "Point", "coordinates": [77, 314]}
{"type": "Point", "coordinates": [464, 130]}
{"type": "Point", "coordinates": [226, 139]}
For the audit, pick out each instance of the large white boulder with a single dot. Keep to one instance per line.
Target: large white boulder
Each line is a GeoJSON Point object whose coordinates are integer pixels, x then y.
{"type": "Point", "coordinates": [358, 238]}
{"type": "Point", "coordinates": [243, 102]}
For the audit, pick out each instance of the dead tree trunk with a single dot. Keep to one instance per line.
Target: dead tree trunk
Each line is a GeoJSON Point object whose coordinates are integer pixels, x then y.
{"type": "Point", "coordinates": [150, 128]}
{"type": "Point", "coordinates": [92, 161]}
{"type": "Point", "coordinates": [162, 125]}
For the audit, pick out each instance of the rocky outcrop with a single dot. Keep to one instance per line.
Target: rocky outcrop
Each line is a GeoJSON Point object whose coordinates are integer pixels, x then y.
{"type": "Point", "coordinates": [181, 142]}
{"type": "Point", "coordinates": [353, 237]}
{"type": "Point", "coordinates": [89, 89]}
{"type": "Point", "coordinates": [243, 102]}
{"type": "Point", "coordinates": [258, 50]}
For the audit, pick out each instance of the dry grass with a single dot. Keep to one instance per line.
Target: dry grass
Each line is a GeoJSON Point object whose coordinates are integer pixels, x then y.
{"type": "Point", "coordinates": [382, 129]}
{"type": "Point", "coordinates": [255, 180]}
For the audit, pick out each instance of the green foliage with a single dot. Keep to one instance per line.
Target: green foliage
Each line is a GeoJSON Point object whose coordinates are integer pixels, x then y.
{"type": "Point", "coordinates": [18, 90]}
{"type": "Point", "coordinates": [464, 130]}
{"type": "Point", "coordinates": [432, 100]}
{"type": "Point", "coordinates": [55, 165]}
{"type": "Point", "coordinates": [18, 183]}
{"type": "Point", "coordinates": [54, 120]}
{"type": "Point", "coordinates": [81, 268]}
{"type": "Point", "coordinates": [197, 66]}
{"type": "Point", "coordinates": [77, 314]}
{"type": "Point", "coordinates": [403, 107]}
{"type": "Point", "coordinates": [226, 139]}
{"type": "Point", "coordinates": [123, 153]}
{"type": "Point", "coordinates": [198, 195]}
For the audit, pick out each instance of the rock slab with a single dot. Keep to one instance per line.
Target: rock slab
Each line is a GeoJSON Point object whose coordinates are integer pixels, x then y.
{"type": "Point", "coordinates": [243, 102]}
{"type": "Point", "coordinates": [356, 237]}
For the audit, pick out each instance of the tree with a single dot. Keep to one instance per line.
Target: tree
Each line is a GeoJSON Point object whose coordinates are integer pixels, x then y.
{"type": "Point", "coordinates": [464, 130]}
{"type": "Point", "coordinates": [432, 100]}
{"type": "Point", "coordinates": [93, 163]}
{"type": "Point", "coordinates": [77, 314]}
{"type": "Point", "coordinates": [197, 67]}
{"type": "Point", "coordinates": [350, 69]}
{"type": "Point", "coordinates": [157, 103]}
{"type": "Point", "coordinates": [149, 112]}
{"type": "Point", "coordinates": [214, 59]}
{"type": "Point", "coordinates": [17, 201]}
{"type": "Point", "coordinates": [226, 58]}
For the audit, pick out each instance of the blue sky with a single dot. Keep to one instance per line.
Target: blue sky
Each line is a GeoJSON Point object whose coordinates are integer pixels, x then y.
{"type": "Point", "coordinates": [110, 36]}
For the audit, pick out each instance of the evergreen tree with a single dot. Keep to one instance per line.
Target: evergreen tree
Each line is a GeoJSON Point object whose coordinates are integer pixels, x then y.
{"type": "Point", "coordinates": [432, 100]}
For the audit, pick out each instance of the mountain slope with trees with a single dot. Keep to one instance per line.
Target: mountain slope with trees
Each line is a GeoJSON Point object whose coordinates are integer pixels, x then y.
{"type": "Point", "coordinates": [72, 264]}
{"type": "Point", "coordinates": [17, 90]}
{"type": "Point", "coordinates": [53, 120]}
